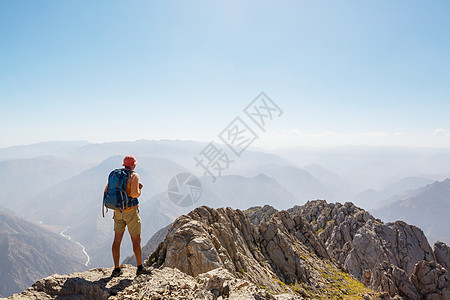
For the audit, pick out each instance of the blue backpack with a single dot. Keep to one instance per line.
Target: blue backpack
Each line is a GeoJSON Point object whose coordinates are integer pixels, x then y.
{"type": "Point", "coordinates": [115, 196]}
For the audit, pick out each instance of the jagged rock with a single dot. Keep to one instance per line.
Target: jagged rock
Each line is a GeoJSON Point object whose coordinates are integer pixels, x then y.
{"type": "Point", "coordinates": [219, 253]}
{"type": "Point", "coordinates": [281, 252]}
{"type": "Point", "coordinates": [382, 256]}
{"type": "Point", "coordinates": [431, 280]}
{"type": "Point", "coordinates": [390, 279]}
{"type": "Point", "coordinates": [399, 244]}
{"type": "Point", "coordinates": [207, 239]}
{"type": "Point", "coordinates": [442, 253]}
{"type": "Point", "coordinates": [258, 214]}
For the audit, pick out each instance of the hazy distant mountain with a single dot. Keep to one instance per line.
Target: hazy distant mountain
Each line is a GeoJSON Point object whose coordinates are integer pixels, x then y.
{"type": "Point", "coordinates": [241, 192]}
{"type": "Point", "coordinates": [180, 152]}
{"type": "Point", "coordinates": [30, 252]}
{"type": "Point", "coordinates": [429, 209]}
{"type": "Point", "coordinates": [23, 179]}
{"type": "Point", "coordinates": [371, 166]}
{"type": "Point", "coordinates": [340, 187]}
{"type": "Point", "coordinates": [55, 148]}
{"type": "Point", "coordinates": [176, 150]}
{"type": "Point", "coordinates": [55, 191]}
{"type": "Point", "coordinates": [369, 199]}
{"type": "Point", "coordinates": [6, 210]}
{"type": "Point", "coordinates": [301, 183]}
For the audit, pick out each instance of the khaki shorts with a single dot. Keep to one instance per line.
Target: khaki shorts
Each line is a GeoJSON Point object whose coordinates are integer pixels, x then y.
{"type": "Point", "coordinates": [131, 218]}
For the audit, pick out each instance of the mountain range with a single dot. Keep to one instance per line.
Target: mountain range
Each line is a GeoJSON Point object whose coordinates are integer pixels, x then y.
{"type": "Point", "coordinates": [30, 252]}
{"type": "Point", "coordinates": [62, 186]}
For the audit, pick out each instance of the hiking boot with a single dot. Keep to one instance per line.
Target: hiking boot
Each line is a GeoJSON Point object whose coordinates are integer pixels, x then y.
{"type": "Point", "coordinates": [143, 270]}
{"type": "Point", "coordinates": [116, 272]}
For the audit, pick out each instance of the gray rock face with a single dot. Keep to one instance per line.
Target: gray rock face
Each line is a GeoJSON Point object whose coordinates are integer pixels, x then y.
{"type": "Point", "coordinates": [442, 253]}
{"type": "Point", "coordinates": [207, 239]}
{"type": "Point", "coordinates": [385, 257]}
{"type": "Point", "coordinates": [431, 280]}
{"type": "Point", "coordinates": [258, 214]}
{"type": "Point", "coordinates": [280, 252]}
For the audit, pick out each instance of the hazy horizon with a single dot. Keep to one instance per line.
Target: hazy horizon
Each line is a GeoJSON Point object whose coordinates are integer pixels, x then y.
{"type": "Point", "coordinates": [251, 148]}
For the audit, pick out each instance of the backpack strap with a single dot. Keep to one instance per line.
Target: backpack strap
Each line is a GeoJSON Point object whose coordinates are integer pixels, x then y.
{"type": "Point", "coordinates": [129, 172]}
{"type": "Point", "coordinates": [103, 203]}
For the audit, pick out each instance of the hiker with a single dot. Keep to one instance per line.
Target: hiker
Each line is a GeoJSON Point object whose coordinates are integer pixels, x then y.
{"type": "Point", "coordinates": [128, 217]}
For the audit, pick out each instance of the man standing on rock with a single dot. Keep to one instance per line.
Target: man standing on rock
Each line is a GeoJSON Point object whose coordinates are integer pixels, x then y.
{"type": "Point", "coordinates": [129, 218]}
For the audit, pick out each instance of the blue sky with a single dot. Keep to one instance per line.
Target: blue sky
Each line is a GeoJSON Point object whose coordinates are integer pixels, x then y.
{"type": "Point", "coordinates": [344, 72]}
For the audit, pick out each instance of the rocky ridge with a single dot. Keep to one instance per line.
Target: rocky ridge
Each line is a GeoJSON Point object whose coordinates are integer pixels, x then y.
{"type": "Point", "coordinates": [308, 252]}
{"type": "Point", "coordinates": [281, 255]}
{"type": "Point", "coordinates": [393, 257]}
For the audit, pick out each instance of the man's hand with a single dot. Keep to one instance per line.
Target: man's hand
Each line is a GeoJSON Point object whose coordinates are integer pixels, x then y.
{"type": "Point", "coordinates": [141, 185]}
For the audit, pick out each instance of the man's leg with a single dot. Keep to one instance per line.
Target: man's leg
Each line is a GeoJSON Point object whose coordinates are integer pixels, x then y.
{"type": "Point", "coordinates": [136, 240]}
{"type": "Point", "coordinates": [116, 248]}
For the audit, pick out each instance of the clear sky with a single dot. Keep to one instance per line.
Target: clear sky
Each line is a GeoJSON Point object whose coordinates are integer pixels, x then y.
{"type": "Point", "coordinates": [343, 72]}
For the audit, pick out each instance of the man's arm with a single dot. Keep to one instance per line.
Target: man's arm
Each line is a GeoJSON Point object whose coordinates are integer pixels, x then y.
{"type": "Point", "coordinates": [135, 186]}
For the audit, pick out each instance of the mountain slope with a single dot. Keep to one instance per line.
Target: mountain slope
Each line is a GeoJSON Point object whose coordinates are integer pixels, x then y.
{"type": "Point", "coordinates": [242, 192]}
{"type": "Point", "coordinates": [342, 189]}
{"type": "Point", "coordinates": [23, 179]}
{"type": "Point", "coordinates": [370, 199]}
{"type": "Point", "coordinates": [301, 183]}
{"type": "Point", "coordinates": [429, 209]}
{"type": "Point", "coordinates": [29, 252]}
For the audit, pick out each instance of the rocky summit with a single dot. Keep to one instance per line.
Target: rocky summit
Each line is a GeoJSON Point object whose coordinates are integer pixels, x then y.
{"type": "Point", "coordinates": [315, 251]}
{"type": "Point", "coordinates": [394, 257]}
{"type": "Point", "coordinates": [282, 255]}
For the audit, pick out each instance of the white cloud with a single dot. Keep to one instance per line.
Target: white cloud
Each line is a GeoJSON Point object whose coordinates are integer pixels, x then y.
{"type": "Point", "coordinates": [440, 132]}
